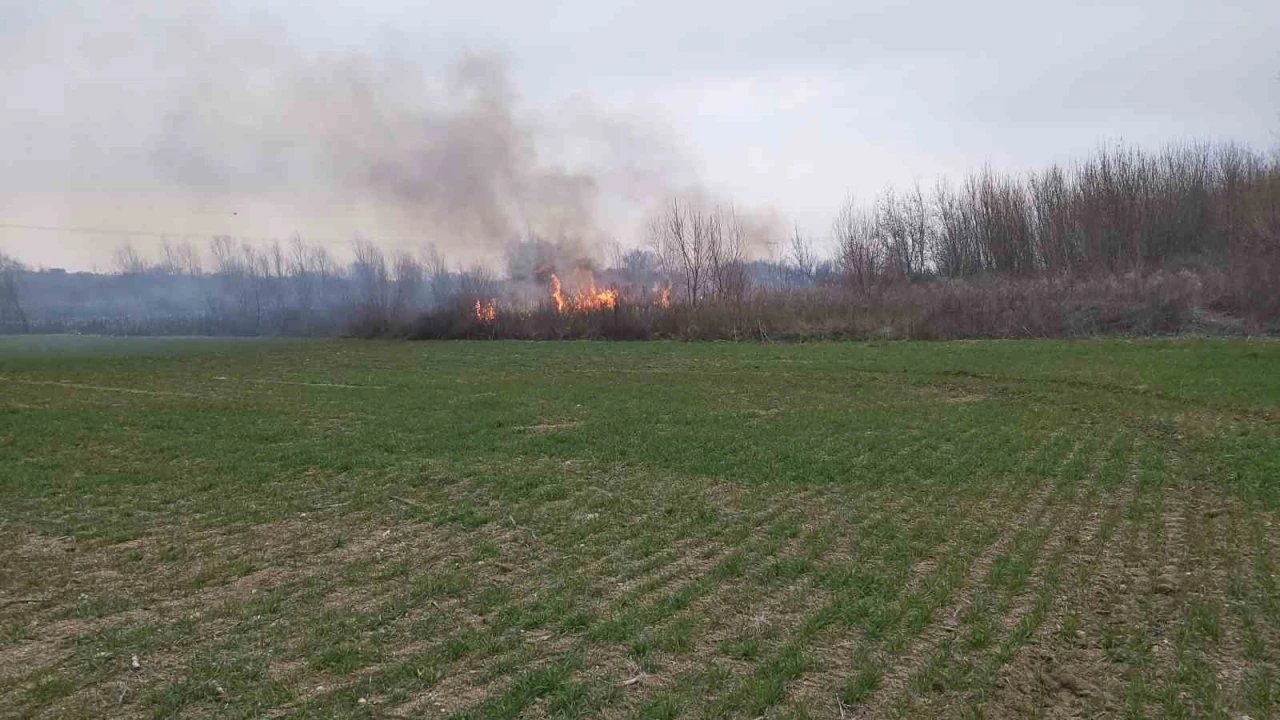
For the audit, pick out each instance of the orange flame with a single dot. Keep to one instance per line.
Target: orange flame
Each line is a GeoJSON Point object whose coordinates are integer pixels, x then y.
{"type": "Point", "coordinates": [596, 299]}
{"type": "Point", "coordinates": [590, 298]}
{"type": "Point", "coordinates": [487, 312]}
{"type": "Point", "coordinates": [664, 300]}
{"type": "Point", "coordinates": [561, 300]}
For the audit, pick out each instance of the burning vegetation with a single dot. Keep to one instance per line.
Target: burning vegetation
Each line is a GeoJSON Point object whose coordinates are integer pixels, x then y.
{"type": "Point", "coordinates": [487, 312]}
{"type": "Point", "coordinates": [589, 299]}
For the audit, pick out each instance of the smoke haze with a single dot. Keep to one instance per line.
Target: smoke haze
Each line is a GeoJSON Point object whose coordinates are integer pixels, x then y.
{"type": "Point", "coordinates": [390, 119]}
{"type": "Point", "coordinates": [188, 121]}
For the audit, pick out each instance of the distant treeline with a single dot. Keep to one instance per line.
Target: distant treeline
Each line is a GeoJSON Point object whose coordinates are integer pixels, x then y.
{"type": "Point", "coordinates": [1122, 210]}
{"type": "Point", "coordinates": [281, 289]}
{"type": "Point", "coordinates": [301, 290]}
{"type": "Point", "coordinates": [1125, 241]}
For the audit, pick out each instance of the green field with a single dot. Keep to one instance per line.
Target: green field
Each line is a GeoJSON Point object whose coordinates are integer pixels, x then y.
{"type": "Point", "coordinates": [648, 530]}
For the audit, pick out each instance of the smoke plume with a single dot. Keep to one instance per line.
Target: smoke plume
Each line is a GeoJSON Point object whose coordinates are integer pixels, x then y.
{"type": "Point", "coordinates": [180, 119]}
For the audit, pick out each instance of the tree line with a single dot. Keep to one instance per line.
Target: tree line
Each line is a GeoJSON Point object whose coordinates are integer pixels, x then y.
{"type": "Point", "coordinates": [1103, 244]}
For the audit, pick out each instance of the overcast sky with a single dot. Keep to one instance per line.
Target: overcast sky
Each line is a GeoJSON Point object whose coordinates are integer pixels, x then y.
{"type": "Point", "coordinates": [790, 106]}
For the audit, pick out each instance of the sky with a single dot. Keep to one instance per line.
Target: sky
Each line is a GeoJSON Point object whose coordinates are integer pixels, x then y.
{"type": "Point", "coordinates": [465, 123]}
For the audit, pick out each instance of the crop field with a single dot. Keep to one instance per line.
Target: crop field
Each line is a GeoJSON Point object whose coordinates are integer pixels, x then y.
{"type": "Point", "coordinates": [199, 528]}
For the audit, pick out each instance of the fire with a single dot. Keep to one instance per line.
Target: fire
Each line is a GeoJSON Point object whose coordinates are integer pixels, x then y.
{"type": "Point", "coordinates": [594, 299]}
{"type": "Point", "coordinates": [561, 300]}
{"type": "Point", "coordinates": [590, 298]}
{"type": "Point", "coordinates": [487, 312]}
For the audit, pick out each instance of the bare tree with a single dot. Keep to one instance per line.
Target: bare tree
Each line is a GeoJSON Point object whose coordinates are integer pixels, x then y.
{"type": "Point", "coordinates": [436, 270]}
{"type": "Point", "coordinates": [323, 271]}
{"type": "Point", "coordinates": [11, 309]}
{"type": "Point", "coordinates": [1053, 220]}
{"type": "Point", "coordinates": [178, 258]}
{"type": "Point", "coordinates": [524, 258]}
{"type": "Point", "coordinates": [407, 283]}
{"type": "Point", "coordinates": [476, 283]}
{"type": "Point", "coordinates": [904, 232]}
{"type": "Point", "coordinates": [801, 255]}
{"type": "Point", "coordinates": [920, 231]}
{"type": "Point", "coordinates": [703, 250]}
{"type": "Point", "coordinates": [616, 252]}
{"type": "Point", "coordinates": [679, 235]}
{"type": "Point", "coordinates": [127, 261]}
{"type": "Point", "coordinates": [726, 251]}
{"type": "Point", "coordinates": [370, 273]}
{"type": "Point", "coordinates": [371, 279]}
{"type": "Point", "coordinates": [955, 250]}
{"type": "Point", "coordinates": [640, 267]}
{"type": "Point", "coordinates": [223, 251]}
{"type": "Point", "coordinates": [277, 275]}
{"type": "Point", "coordinates": [433, 262]}
{"type": "Point", "coordinates": [277, 267]}
{"type": "Point", "coordinates": [859, 252]}
{"type": "Point", "coordinates": [301, 280]}
{"type": "Point", "coordinates": [255, 289]}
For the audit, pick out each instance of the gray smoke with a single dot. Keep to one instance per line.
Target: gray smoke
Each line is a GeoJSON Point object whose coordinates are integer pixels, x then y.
{"type": "Point", "coordinates": [179, 118]}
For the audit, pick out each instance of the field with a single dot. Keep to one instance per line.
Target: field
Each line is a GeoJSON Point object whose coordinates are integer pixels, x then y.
{"type": "Point", "coordinates": [644, 530]}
